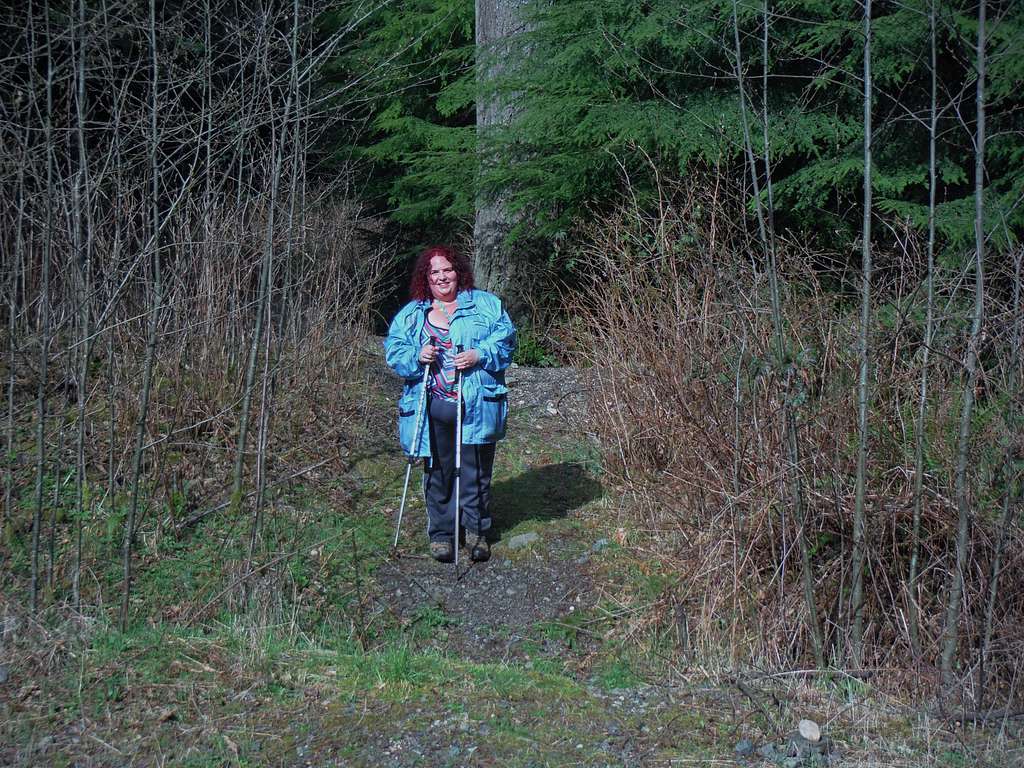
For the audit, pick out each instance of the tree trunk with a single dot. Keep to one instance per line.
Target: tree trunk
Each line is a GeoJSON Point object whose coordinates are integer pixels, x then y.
{"type": "Point", "coordinates": [913, 613]}
{"type": "Point", "coordinates": [44, 324]}
{"type": "Point", "coordinates": [950, 631]}
{"type": "Point", "coordinates": [262, 308]}
{"type": "Point", "coordinates": [766, 230]}
{"type": "Point", "coordinates": [859, 555]}
{"type": "Point", "coordinates": [18, 258]}
{"type": "Point", "coordinates": [151, 332]}
{"type": "Point", "coordinates": [494, 262]}
{"type": "Point", "coordinates": [1011, 476]}
{"type": "Point", "coordinates": [83, 211]}
{"type": "Point", "coordinates": [269, 370]}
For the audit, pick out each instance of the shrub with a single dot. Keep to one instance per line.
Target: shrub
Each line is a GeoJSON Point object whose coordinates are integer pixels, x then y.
{"type": "Point", "coordinates": [687, 406]}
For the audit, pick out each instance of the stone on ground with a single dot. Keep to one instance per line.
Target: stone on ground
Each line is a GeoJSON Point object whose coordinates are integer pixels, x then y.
{"type": "Point", "coordinates": [522, 540]}
{"type": "Point", "coordinates": [744, 747]}
{"type": "Point", "coordinates": [810, 730]}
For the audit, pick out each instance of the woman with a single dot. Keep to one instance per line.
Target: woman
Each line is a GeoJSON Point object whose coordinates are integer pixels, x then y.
{"type": "Point", "coordinates": [452, 327]}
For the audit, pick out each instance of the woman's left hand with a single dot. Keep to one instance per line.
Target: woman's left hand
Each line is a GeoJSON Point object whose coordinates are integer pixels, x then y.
{"type": "Point", "coordinates": [467, 359]}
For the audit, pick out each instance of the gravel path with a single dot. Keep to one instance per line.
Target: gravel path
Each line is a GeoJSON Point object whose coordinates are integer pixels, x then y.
{"type": "Point", "coordinates": [489, 605]}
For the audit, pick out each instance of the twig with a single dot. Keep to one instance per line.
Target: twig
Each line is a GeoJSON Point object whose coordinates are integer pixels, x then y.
{"type": "Point", "coordinates": [361, 629]}
{"type": "Point", "coordinates": [244, 577]}
{"type": "Point", "coordinates": [746, 691]}
{"type": "Point", "coordinates": [860, 674]}
{"type": "Point", "coordinates": [977, 716]}
{"type": "Point", "coordinates": [207, 512]}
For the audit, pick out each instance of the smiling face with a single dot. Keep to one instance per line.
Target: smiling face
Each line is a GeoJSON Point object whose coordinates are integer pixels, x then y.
{"type": "Point", "coordinates": [442, 279]}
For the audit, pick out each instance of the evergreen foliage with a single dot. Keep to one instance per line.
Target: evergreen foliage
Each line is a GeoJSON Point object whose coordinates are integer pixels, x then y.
{"type": "Point", "coordinates": [414, 133]}
{"type": "Point", "coordinates": [608, 89]}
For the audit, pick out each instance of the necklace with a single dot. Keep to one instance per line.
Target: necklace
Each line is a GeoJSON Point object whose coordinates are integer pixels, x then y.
{"type": "Point", "coordinates": [442, 305]}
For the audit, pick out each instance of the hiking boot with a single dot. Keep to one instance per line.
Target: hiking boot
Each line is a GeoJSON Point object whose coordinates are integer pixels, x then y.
{"type": "Point", "coordinates": [479, 548]}
{"type": "Point", "coordinates": [442, 551]}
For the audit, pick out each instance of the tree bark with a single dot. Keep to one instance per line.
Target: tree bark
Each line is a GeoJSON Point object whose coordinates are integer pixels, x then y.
{"type": "Point", "coordinates": [152, 325]}
{"type": "Point", "coordinates": [859, 554]}
{"type": "Point", "coordinates": [494, 263]}
{"type": "Point", "coordinates": [83, 211]}
{"type": "Point", "coordinates": [44, 322]}
{"type": "Point", "coordinates": [18, 258]}
{"type": "Point", "coordinates": [262, 308]}
{"type": "Point", "coordinates": [950, 631]}
{"type": "Point", "coordinates": [913, 613]}
{"type": "Point", "coordinates": [269, 369]}
{"type": "Point", "coordinates": [766, 230]}
{"type": "Point", "coordinates": [1011, 475]}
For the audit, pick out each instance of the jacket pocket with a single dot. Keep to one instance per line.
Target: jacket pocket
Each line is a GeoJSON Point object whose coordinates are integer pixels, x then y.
{"type": "Point", "coordinates": [407, 420]}
{"type": "Point", "coordinates": [475, 330]}
{"type": "Point", "coordinates": [493, 411]}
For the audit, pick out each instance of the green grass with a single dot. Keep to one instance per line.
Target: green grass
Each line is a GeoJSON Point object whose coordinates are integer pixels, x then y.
{"type": "Point", "coordinates": [616, 673]}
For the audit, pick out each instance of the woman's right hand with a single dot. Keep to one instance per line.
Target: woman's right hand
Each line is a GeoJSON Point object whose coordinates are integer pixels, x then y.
{"type": "Point", "coordinates": [428, 353]}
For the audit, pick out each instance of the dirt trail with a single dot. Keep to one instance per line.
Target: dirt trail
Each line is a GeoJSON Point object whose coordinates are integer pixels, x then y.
{"type": "Point", "coordinates": [538, 570]}
{"type": "Point", "coordinates": [489, 610]}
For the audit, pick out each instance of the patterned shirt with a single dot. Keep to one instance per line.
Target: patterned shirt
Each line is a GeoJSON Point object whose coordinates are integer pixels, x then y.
{"type": "Point", "coordinates": [441, 382]}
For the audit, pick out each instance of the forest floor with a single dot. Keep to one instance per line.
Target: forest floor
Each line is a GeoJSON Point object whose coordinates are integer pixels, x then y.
{"type": "Point", "coordinates": [547, 655]}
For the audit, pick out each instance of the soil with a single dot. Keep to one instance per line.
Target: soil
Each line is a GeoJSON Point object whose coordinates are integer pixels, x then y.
{"type": "Point", "coordinates": [488, 607]}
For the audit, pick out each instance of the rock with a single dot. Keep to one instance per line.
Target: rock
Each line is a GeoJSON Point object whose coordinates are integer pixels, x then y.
{"type": "Point", "coordinates": [810, 730]}
{"type": "Point", "coordinates": [767, 751]}
{"type": "Point", "coordinates": [583, 559]}
{"type": "Point", "coordinates": [744, 748]}
{"type": "Point", "coordinates": [797, 746]}
{"type": "Point", "coordinates": [5, 673]}
{"type": "Point", "coordinates": [522, 540]}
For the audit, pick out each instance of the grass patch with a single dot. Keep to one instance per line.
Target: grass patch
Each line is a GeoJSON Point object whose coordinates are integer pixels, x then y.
{"type": "Point", "coordinates": [616, 673]}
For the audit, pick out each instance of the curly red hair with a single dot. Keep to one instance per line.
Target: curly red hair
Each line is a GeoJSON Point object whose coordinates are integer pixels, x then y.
{"type": "Point", "coordinates": [419, 286]}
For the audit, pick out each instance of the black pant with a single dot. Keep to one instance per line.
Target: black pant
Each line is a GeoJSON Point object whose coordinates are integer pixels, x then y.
{"type": "Point", "coordinates": [439, 477]}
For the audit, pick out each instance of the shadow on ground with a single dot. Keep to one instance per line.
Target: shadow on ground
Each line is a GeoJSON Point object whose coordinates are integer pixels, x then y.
{"type": "Point", "coordinates": [541, 493]}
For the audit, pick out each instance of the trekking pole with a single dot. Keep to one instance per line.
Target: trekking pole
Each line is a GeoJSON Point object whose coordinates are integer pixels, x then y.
{"type": "Point", "coordinates": [420, 408]}
{"type": "Point", "coordinates": [458, 456]}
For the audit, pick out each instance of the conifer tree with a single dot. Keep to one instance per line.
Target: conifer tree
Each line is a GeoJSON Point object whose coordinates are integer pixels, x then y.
{"type": "Point", "coordinates": [603, 85]}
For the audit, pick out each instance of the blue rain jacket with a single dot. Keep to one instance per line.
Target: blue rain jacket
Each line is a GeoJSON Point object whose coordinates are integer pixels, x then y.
{"type": "Point", "coordinates": [479, 323]}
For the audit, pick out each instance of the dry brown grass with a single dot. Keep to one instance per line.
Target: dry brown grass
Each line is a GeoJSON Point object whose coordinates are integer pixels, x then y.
{"type": "Point", "coordinates": [688, 411]}
{"type": "Point", "coordinates": [308, 404]}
